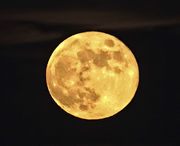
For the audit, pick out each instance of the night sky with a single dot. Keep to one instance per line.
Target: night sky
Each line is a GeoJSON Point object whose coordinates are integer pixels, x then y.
{"type": "Point", "coordinates": [29, 33]}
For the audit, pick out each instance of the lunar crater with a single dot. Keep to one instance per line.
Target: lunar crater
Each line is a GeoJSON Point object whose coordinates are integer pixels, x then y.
{"type": "Point", "coordinates": [109, 42]}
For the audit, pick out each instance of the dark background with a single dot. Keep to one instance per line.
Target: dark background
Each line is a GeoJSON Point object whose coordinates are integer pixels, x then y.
{"type": "Point", "coordinates": [31, 30]}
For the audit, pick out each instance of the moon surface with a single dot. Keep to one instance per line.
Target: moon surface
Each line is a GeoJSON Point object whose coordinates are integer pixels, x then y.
{"type": "Point", "coordinates": [92, 75]}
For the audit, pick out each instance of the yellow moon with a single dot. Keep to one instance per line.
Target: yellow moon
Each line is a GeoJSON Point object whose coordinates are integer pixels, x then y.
{"type": "Point", "coordinates": [92, 75]}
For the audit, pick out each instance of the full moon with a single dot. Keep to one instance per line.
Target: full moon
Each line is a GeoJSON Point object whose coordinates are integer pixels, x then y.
{"type": "Point", "coordinates": [92, 75]}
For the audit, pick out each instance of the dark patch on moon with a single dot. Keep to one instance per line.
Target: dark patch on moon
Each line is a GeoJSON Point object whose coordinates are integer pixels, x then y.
{"type": "Point", "coordinates": [85, 55]}
{"type": "Point", "coordinates": [80, 82]}
{"type": "Point", "coordinates": [109, 43]}
{"type": "Point", "coordinates": [81, 78]}
{"type": "Point", "coordinates": [87, 44]}
{"type": "Point", "coordinates": [59, 95]}
{"type": "Point", "coordinates": [75, 42]}
{"type": "Point", "coordinates": [101, 59]}
{"type": "Point", "coordinates": [85, 68]}
{"type": "Point", "coordinates": [82, 94]}
{"type": "Point", "coordinates": [83, 107]}
{"type": "Point", "coordinates": [117, 70]}
{"type": "Point", "coordinates": [117, 55]}
{"type": "Point", "coordinates": [92, 95]}
{"type": "Point", "coordinates": [64, 99]}
{"type": "Point", "coordinates": [126, 64]}
{"type": "Point", "coordinates": [70, 45]}
{"type": "Point", "coordinates": [63, 68]}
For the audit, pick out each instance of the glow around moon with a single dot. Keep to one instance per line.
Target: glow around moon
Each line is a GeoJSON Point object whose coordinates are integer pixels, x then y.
{"type": "Point", "coordinates": [92, 75]}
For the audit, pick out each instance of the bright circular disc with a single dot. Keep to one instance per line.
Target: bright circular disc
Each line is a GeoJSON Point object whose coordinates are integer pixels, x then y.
{"type": "Point", "coordinates": [92, 75]}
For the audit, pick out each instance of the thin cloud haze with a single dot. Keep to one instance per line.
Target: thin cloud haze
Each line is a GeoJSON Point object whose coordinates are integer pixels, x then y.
{"type": "Point", "coordinates": [34, 26]}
